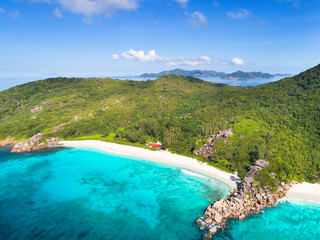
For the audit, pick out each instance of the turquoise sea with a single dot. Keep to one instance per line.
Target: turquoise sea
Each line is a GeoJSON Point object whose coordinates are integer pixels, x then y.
{"type": "Point", "coordinates": [66, 193]}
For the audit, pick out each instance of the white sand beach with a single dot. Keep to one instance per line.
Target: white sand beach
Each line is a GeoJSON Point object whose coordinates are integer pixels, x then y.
{"type": "Point", "coordinates": [301, 192]}
{"type": "Point", "coordinates": [164, 157]}
{"type": "Point", "coordinates": [305, 192]}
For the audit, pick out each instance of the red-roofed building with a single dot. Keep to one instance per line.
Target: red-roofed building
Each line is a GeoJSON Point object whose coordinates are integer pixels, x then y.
{"type": "Point", "coordinates": [156, 145]}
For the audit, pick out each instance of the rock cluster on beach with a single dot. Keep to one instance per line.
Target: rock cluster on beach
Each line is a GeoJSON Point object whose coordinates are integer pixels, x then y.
{"type": "Point", "coordinates": [244, 200]}
{"type": "Point", "coordinates": [7, 142]}
{"type": "Point", "coordinates": [34, 143]}
{"type": "Point", "coordinates": [207, 149]}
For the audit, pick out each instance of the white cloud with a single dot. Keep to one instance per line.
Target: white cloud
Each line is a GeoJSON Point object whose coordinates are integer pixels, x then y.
{"type": "Point", "coordinates": [237, 61]}
{"type": "Point", "coordinates": [197, 19]}
{"type": "Point", "coordinates": [2, 11]}
{"type": "Point", "coordinates": [241, 14]}
{"type": "Point", "coordinates": [57, 13]}
{"type": "Point", "coordinates": [115, 56]}
{"type": "Point", "coordinates": [152, 56]}
{"type": "Point", "coordinates": [205, 58]}
{"type": "Point", "coordinates": [182, 2]}
{"type": "Point", "coordinates": [91, 8]}
{"type": "Point", "coordinates": [234, 61]}
{"type": "Point", "coordinates": [175, 61]}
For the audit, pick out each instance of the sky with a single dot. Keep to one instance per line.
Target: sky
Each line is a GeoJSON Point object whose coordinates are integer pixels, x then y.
{"type": "Point", "coordinates": [88, 38]}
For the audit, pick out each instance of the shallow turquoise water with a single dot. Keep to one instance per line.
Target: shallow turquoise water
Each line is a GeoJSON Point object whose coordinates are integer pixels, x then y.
{"type": "Point", "coordinates": [84, 194]}
{"type": "Point", "coordinates": [294, 221]}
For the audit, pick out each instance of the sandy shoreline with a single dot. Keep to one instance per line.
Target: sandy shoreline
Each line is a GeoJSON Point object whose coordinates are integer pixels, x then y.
{"type": "Point", "coordinates": [299, 192]}
{"type": "Point", "coordinates": [157, 156]}
{"type": "Point", "coordinates": [305, 192]}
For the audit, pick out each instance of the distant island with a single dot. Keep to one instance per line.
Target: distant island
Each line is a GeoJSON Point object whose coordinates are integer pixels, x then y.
{"type": "Point", "coordinates": [247, 75]}
{"type": "Point", "coordinates": [239, 75]}
{"type": "Point", "coordinates": [186, 73]}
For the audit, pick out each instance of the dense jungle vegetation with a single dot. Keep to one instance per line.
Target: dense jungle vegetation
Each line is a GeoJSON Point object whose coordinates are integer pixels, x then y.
{"type": "Point", "coordinates": [279, 121]}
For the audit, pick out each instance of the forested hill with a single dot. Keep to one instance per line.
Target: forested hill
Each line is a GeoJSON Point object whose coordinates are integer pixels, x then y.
{"type": "Point", "coordinates": [278, 121]}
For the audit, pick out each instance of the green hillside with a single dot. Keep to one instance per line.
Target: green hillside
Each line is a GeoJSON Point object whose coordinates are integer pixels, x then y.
{"type": "Point", "coordinates": [279, 122]}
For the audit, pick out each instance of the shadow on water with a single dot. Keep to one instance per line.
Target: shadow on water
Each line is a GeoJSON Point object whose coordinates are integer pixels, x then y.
{"type": "Point", "coordinates": [6, 155]}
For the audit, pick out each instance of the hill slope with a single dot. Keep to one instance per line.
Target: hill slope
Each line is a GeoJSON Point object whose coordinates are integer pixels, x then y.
{"type": "Point", "coordinates": [278, 121]}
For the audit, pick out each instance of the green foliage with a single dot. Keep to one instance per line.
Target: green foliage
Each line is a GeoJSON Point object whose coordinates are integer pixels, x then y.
{"type": "Point", "coordinates": [249, 195]}
{"type": "Point", "coordinates": [216, 165]}
{"type": "Point", "coordinates": [279, 121]}
{"type": "Point", "coordinates": [264, 180]}
{"type": "Point", "coordinates": [242, 173]}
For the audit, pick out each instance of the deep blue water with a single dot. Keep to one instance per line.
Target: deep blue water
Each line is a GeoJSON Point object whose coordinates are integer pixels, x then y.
{"type": "Point", "coordinates": [84, 194]}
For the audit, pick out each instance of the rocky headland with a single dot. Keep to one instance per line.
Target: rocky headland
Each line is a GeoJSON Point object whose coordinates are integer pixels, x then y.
{"type": "Point", "coordinates": [34, 143]}
{"type": "Point", "coordinates": [248, 198]}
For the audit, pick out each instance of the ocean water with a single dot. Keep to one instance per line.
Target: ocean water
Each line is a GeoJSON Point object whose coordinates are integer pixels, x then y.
{"type": "Point", "coordinates": [83, 194]}
{"type": "Point", "coordinates": [289, 221]}
{"type": "Point", "coordinates": [233, 82]}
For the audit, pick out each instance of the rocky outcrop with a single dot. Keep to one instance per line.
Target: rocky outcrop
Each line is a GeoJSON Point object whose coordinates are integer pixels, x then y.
{"type": "Point", "coordinates": [222, 134]}
{"type": "Point", "coordinates": [51, 141]}
{"type": "Point", "coordinates": [77, 118]}
{"type": "Point", "coordinates": [207, 149]}
{"type": "Point", "coordinates": [36, 109]}
{"type": "Point", "coordinates": [59, 127]}
{"type": "Point", "coordinates": [48, 103]}
{"type": "Point", "coordinates": [244, 200]}
{"type": "Point", "coordinates": [7, 142]}
{"type": "Point", "coordinates": [35, 143]}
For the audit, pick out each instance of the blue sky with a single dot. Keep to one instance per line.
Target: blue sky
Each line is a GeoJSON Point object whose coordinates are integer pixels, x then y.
{"type": "Point", "coordinates": [43, 38]}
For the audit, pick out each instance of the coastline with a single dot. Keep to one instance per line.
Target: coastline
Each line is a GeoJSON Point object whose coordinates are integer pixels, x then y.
{"type": "Point", "coordinates": [164, 157]}
{"type": "Point", "coordinates": [298, 192]}
{"type": "Point", "coordinates": [306, 192]}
